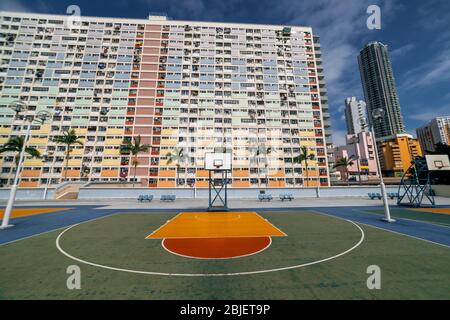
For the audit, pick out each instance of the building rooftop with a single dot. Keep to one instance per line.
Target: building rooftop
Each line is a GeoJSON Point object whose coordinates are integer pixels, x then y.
{"type": "Point", "coordinates": [157, 19]}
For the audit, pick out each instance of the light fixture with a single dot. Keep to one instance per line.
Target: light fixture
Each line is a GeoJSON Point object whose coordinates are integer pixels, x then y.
{"type": "Point", "coordinates": [18, 106]}
{"type": "Point", "coordinates": [43, 115]}
{"type": "Point", "coordinates": [378, 113]}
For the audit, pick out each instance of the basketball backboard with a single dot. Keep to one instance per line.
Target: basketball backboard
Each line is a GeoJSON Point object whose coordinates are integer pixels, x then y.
{"type": "Point", "coordinates": [438, 162]}
{"type": "Point", "coordinates": [217, 161]}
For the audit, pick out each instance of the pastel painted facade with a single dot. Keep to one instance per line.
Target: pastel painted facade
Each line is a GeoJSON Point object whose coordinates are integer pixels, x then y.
{"type": "Point", "coordinates": [435, 131]}
{"type": "Point", "coordinates": [198, 86]}
{"type": "Point", "coordinates": [361, 149]}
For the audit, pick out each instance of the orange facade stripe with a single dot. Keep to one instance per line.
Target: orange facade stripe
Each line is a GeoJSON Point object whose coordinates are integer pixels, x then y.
{"type": "Point", "coordinates": [110, 173]}
{"type": "Point", "coordinates": [166, 184]}
{"type": "Point", "coordinates": [31, 173]}
{"type": "Point", "coordinates": [29, 184]}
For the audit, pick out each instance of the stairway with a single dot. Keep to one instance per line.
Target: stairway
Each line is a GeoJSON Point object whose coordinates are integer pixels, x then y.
{"type": "Point", "coordinates": [68, 190]}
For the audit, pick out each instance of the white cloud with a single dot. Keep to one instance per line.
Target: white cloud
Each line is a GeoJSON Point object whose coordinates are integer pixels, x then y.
{"type": "Point", "coordinates": [13, 5]}
{"type": "Point", "coordinates": [429, 113]}
{"type": "Point", "coordinates": [430, 18]}
{"type": "Point", "coordinates": [402, 51]}
{"type": "Point", "coordinates": [23, 6]}
{"type": "Point", "coordinates": [340, 25]}
{"type": "Point", "coordinates": [339, 137]}
{"type": "Point", "coordinates": [435, 70]}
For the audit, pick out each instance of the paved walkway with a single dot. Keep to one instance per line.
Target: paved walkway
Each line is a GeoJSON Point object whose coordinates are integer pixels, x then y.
{"type": "Point", "coordinates": [202, 204]}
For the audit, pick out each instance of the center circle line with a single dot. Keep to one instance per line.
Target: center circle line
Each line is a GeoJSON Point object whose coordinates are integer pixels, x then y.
{"type": "Point", "coordinates": [58, 246]}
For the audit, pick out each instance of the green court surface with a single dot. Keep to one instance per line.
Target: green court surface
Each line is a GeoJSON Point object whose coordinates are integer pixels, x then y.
{"type": "Point", "coordinates": [322, 257]}
{"type": "Point", "coordinates": [430, 217]}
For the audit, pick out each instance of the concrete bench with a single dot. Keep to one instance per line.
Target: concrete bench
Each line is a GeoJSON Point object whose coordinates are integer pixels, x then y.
{"type": "Point", "coordinates": [145, 197]}
{"type": "Point", "coordinates": [286, 196]}
{"type": "Point", "coordinates": [265, 197]}
{"type": "Point", "coordinates": [374, 195]}
{"type": "Point", "coordinates": [168, 197]}
{"type": "Point", "coordinates": [393, 195]}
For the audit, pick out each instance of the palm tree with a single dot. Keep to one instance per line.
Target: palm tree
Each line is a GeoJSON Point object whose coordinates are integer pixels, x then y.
{"type": "Point", "coordinates": [135, 147]}
{"type": "Point", "coordinates": [304, 156]}
{"type": "Point", "coordinates": [15, 144]}
{"type": "Point", "coordinates": [344, 162]}
{"type": "Point", "coordinates": [256, 152]}
{"type": "Point", "coordinates": [177, 156]}
{"type": "Point", "coordinates": [263, 150]}
{"type": "Point", "coordinates": [69, 138]}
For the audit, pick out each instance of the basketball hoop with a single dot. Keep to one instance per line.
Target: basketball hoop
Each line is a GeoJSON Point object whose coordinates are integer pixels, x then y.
{"type": "Point", "coordinates": [438, 162]}
{"type": "Point", "coordinates": [219, 163]}
{"type": "Point", "coordinates": [415, 189]}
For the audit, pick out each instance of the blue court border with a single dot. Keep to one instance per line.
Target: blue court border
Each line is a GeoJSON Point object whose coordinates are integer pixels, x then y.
{"type": "Point", "coordinates": [36, 224]}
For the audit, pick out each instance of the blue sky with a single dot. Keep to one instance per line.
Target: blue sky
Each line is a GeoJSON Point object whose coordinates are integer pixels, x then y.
{"type": "Point", "coordinates": [416, 31]}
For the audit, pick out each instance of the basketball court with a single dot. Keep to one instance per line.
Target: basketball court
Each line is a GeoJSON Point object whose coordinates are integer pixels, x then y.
{"type": "Point", "coordinates": [223, 253]}
{"type": "Point", "coordinates": [219, 235]}
{"type": "Point", "coordinates": [262, 254]}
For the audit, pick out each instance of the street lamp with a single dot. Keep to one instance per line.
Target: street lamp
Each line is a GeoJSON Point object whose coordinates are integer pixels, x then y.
{"type": "Point", "coordinates": [378, 115]}
{"type": "Point", "coordinates": [357, 159]}
{"type": "Point", "coordinates": [49, 180]}
{"type": "Point", "coordinates": [41, 116]}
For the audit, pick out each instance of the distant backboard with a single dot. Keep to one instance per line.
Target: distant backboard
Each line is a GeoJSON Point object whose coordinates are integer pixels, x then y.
{"type": "Point", "coordinates": [438, 162]}
{"type": "Point", "coordinates": [217, 161]}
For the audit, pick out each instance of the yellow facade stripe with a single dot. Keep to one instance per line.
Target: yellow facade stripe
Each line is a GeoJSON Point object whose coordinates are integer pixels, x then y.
{"type": "Point", "coordinates": [216, 225]}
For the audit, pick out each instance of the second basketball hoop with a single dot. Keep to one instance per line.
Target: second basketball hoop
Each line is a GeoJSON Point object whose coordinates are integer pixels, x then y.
{"type": "Point", "coordinates": [218, 165]}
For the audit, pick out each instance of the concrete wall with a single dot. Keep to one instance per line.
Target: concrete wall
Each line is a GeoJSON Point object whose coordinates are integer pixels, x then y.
{"type": "Point", "coordinates": [241, 193]}
{"type": "Point", "coordinates": [28, 193]}
{"type": "Point", "coordinates": [442, 190]}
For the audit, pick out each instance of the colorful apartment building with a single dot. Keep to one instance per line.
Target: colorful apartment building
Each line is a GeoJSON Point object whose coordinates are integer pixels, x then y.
{"type": "Point", "coordinates": [257, 91]}
{"type": "Point", "coordinates": [360, 148]}
{"type": "Point", "coordinates": [397, 152]}
{"type": "Point", "coordinates": [434, 132]}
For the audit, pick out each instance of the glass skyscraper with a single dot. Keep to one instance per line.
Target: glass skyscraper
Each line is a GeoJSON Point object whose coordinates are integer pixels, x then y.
{"type": "Point", "coordinates": [379, 89]}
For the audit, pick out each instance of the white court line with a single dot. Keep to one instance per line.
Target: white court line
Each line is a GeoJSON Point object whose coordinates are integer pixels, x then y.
{"type": "Point", "coordinates": [439, 224]}
{"type": "Point", "coordinates": [167, 222]}
{"type": "Point", "coordinates": [388, 230]}
{"type": "Point", "coordinates": [58, 246]}
{"type": "Point", "coordinates": [212, 237]}
{"type": "Point", "coordinates": [42, 233]}
{"type": "Point", "coordinates": [266, 220]}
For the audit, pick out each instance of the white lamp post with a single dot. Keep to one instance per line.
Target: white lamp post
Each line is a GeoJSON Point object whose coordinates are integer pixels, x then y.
{"type": "Point", "coordinates": [378, 115]}
{"type": "Point", "coordinates": [49, 180]}
{"type": "Point", "coordinates": [18, 107]}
